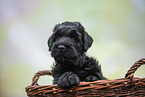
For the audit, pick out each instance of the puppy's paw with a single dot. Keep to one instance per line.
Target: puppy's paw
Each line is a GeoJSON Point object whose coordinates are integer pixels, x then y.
{"type": "Point", "coordinates": [68, 80]}
{"type": "Point", "coordinates": [91, 78]}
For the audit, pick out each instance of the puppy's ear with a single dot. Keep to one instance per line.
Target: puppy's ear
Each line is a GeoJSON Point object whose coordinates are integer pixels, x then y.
{"type": "Point", "coordinates": [87, 40]}
{"type": "Point", "coordinates": [49, 42]}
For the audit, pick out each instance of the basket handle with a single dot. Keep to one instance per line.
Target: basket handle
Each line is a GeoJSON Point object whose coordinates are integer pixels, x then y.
{"type": "Point", "coordinates": [131, 71]}
{"type": "Point", "coordinates": [38, 74]}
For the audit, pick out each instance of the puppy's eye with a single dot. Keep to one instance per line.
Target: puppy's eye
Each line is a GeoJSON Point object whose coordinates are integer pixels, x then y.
{"type": "Point", "coordinates": [57, 34]}
{"type": "Point", "coordinates": [75, 36]}
{"type": "Point", "coordinates": [73, 33]}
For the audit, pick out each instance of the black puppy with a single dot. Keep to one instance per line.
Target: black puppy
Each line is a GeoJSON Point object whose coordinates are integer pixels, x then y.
{"type": "Point", "coordinates": [68, 45]}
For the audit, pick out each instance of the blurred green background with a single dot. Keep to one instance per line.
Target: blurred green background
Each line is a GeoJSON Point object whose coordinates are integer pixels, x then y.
{"type": "Point", "coordinates": [117, 27]}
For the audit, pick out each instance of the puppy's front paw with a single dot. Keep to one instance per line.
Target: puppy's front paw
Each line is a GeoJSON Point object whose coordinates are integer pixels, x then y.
{"type": "Point", "coordinates": [68, 80]}
{"type": "Point", "coordinates": [91, 78]}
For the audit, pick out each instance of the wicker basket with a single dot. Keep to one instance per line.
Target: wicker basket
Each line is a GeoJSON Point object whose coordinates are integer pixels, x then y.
{"type": "Point", "coordinates": [123, 87]}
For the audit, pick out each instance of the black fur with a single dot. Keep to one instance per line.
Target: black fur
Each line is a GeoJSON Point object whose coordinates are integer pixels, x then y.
{"type": "Point", "coordinates": [68, 45]}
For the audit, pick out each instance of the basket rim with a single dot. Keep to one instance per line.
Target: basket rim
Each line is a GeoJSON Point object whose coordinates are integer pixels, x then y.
{"type": "Point", "coordinates": [128, 81]}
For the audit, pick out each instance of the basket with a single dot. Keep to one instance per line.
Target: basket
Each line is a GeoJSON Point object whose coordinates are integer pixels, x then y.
{"type": "Point", "coordinates": [123, 87]}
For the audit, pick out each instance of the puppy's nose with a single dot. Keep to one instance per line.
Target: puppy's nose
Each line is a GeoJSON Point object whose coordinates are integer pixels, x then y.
{"type": "Point", "coordinates": [61, 47]}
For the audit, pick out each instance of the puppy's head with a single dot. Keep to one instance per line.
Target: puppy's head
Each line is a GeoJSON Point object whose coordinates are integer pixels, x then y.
{"type": "Point", "coordinates": [68, 42]}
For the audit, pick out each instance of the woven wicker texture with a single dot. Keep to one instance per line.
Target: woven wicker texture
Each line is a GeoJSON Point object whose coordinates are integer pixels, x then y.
{"type": "Point", "coordinates": [123, 87]}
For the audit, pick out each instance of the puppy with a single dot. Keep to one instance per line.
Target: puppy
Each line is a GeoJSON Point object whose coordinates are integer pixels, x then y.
{"type": "Point", "coordinates": [68, 45]}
